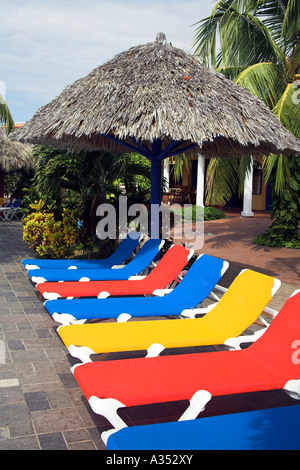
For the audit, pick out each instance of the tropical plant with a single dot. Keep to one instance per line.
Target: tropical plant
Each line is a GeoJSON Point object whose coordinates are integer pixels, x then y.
{"type": "Point", "coordinates": [193, 214]}
{"type": "Point", "coordinates": [51, 238]}
{"type": "Point", "coordinates": [177, 167]}
{"type": "Point", "coordinates": [286, 214]}
{"type": "Point", "coordinates": [86, 180]}
{"type": "Point", "coordinates": [7, 121]}
{"type": "Point", "coordinates": [5, 115]}
{"type": "Point", "coordinates": [259, 48]}
{"type": "Point", "coordinates": [17, 180]}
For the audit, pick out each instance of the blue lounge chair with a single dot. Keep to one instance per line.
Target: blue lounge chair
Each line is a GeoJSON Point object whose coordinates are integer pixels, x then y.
{"type": "Point", "coordinates": [196, 285]}
{"type": "Point", "coordinates": [11, 210]}
{"type": "Point", "coordinates": [141, 261]}
{"type": "Point", "coordinates": [122, 253]}
{"type": "Point", "coordinates": [270, 429]}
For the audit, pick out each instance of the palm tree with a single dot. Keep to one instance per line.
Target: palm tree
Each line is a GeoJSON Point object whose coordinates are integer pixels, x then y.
{"type": "Point", "coordinates": [5, 115]}
{"type": "Point", "coordinates": [90, 177]}
{"type": "Point", "coordinates": [6, 120]}
{"type": "Point", "coordinates": [258, 44]}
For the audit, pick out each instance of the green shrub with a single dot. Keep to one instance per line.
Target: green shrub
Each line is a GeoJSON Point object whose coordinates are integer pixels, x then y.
{"type": "Point", "coordinates": [51, 238]}
{"type": "Point", "coordinates": [190, 214]}
{"type": "Point", "coordinates": [285, 210]}
{"type": "Point", "coordinates": [210, 213]}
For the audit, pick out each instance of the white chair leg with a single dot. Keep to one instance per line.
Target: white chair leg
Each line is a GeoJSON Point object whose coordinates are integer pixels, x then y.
{"type": "Point", "coordinates": [108, 407]}
{"type": "Point", "coordinates": [123, 317]}
{"type": "Point", "coordinates": [197, 404]}
{"type": "Point", "coordinates": [51, 295]}
{"type": "Point", "coordinates": [67, 319]}
{"type": "Point", "coordinates": [154, 350]}
{"type": "Point", "coordinates": [38, 280]}
{"type": "Point", "coordinates": [105, 435]}
{"type": "Point", "coordinates": [81, 352]}
{"type": "Point", "coordinates": [292, 388]}
{"type": "Point", "coordinates": [235, 343]}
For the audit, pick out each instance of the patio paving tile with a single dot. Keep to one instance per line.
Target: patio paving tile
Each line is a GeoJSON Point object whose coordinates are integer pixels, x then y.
{"type": "Point", "coordinates": [52, 420]}
{"type": "Point", "coordinates": [22, 443]}
{"type": "Point", "coordinates": [36, 401]}
{"type": "Point", "coordinates": [52, 441]}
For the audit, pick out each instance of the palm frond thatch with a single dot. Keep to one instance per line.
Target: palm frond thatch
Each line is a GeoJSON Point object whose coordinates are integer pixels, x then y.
{"type": "Point", "coordinates": [157, 91]}
{"type": "Point", "coordinates": [13, 155]}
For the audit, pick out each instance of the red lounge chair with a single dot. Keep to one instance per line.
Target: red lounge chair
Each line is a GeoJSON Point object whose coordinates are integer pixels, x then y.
{"type": "Point", "coordinates": [272, 362]}
{"type": "Point", "coordinates": [167, 269]}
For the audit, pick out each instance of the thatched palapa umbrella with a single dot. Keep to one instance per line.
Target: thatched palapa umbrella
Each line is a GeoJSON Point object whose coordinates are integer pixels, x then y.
{"type": "Point", "coordinates": [13, 155]}
{"type": "Point", "coordinates": [159, 101]}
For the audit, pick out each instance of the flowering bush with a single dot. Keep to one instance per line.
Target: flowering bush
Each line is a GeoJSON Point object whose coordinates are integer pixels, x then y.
{"type": "Point", "coordinates": [51, 238]}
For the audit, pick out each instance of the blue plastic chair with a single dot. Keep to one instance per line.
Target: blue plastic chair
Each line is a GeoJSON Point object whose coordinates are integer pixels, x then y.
{"type": "Point", "coordinates": [11, 210]}
{"type": "Point", "coordinates": [141, 261]}
{"type": "Point", "coordinates": [121, 254]}
{"type": "Point", "coordinates": [196, 285]}
{"type": "Point", "coordinates": [270, 429]}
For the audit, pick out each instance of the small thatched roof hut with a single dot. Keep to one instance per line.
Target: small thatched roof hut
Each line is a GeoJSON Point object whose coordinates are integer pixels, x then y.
{"type": "Point", "coordinates": [156, 91]}
{"type": "Point", "coordinates": [13, 155]}
{"type": "Point", "coordinates": [159, 101]}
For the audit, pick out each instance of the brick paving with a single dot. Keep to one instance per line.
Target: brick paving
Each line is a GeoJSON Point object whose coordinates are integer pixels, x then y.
{"type": "Point", "coordinates": [41, 405]}
{"type": "Point", "coordinates": [232, 239]}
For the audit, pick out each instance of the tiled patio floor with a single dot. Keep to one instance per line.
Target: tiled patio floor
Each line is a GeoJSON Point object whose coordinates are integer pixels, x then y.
{"type": "Point", "coordinates": [41, 405]}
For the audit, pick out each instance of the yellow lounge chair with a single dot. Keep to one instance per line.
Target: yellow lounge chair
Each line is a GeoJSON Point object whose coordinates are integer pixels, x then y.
{"type": "Point", "coordinates": [240, 306]}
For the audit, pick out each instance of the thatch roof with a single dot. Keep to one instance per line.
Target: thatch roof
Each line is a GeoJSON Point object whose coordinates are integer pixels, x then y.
{"type": "Point", "coordinates": [13, 155]}
{"type": "Point", "coordinates": [157, 91]}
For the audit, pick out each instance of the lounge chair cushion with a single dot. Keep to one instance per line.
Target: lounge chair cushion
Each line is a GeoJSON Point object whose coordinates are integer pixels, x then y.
{"type": "Point", "coordinates": [122, 252]}
{"type": "Point", "coordinates": [166, 270]}
{"type": "Point", "coordinates": [269, 429]}
{"type": "Point", "coordinates": [265, 365]}
{"type": "Point", "coordinates": [237, 309]}
{"type": "Point", "coordinates": [141, 261]}
{"type": "Point", "coordinates": [196, 285]}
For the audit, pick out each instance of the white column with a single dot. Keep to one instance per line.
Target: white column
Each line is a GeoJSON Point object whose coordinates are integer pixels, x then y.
{"type": "Point", "coordinates": [247, 200]}
{"type": "Point", "coordinates": [167, 173]}
{"type": "Point", "coordinates": [200, 181]}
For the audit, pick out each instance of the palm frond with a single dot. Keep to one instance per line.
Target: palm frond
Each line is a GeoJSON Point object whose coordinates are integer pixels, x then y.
{"type": "Point", "coordinates": [291, 22]}
{"type": "Point", "coordinates": [177, 168]}
{"type": "Point", "coordinates": [279, 165]}
{"type": "Point", "coordinates": [5, 115]}
{"type": "Point", "coordinates": [293, 68]}
{"type": "Point", "coordinates": [231, 72]}
{"type": "Point", "coordinates": [263, 79]}
{"type": "Point", "coordinates": [221, 180]}
{"type": "Point", "coordinates": [206, 34]}
{"type": "Point", "coordinates": [244, 38]}
{"type": "Point", "coordinates": [272, 14]}
{"type": "Point", "coordinates": [288, 108]}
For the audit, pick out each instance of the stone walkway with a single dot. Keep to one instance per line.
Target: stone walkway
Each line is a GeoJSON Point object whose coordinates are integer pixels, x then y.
{"type": "Point", "coordinates": [232, 239]}
{"type": "Point", "coordinates": [41, 405]}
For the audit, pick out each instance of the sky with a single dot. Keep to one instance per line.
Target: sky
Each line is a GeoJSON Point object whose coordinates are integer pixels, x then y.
{"type": "Point", "coordinates": [46, 45]}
